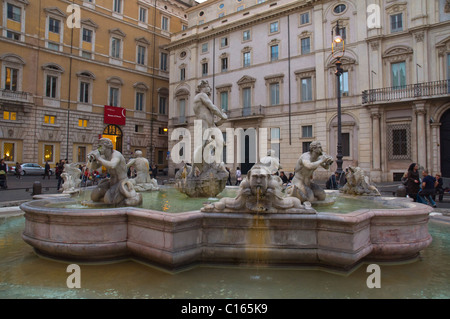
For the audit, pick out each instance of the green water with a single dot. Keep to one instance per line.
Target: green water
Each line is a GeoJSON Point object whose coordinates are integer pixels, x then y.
{"type": "Point", "coordinates": [170, 200]}
{"type": "Point", "coordinates": [25, 275]}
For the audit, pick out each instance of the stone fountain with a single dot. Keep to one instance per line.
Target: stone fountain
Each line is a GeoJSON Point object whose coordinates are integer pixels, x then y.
{"type": "Point", "coordinates": [142, 182]}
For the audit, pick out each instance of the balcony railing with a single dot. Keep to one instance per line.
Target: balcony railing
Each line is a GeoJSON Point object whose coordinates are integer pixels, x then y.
{"type": "Point", "coordinates": [16, 96]}
{"type": "Point", "coordinates": [426, 89]}
{"type": "Point", "coordinates": [253, 111]}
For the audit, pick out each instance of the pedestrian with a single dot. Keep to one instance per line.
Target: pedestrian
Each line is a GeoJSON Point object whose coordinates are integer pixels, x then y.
{"type": "Point", "coordinates": [229, 176]}
{"type": "Point", "coordinates": [18, 170]}
{"type": "Point", "coordinates": [47, 170]}
{"type": "Point", "coordinates": [439, 188]}
{"type": "Point", "coordinates": [3, 174]}
{"type": "Point", "coordinates": [154, 170]}
{"type": "Point", "coordinates": [238, 176]}
{"type": "Point", "coordinates": [58, 171]}
{"type": "Point", "coordinates": [332, 182]}
{"type": "Point", "coordinates": [413, 182]}
{"type": "Point", "coordinates": [284, 177]}
{"type": "Point", "coordinates": [429, 183]}
{"type": "Point", "coordinates": [291, 176]}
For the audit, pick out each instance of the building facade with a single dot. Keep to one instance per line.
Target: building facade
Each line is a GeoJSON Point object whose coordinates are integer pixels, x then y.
{"type": "Point", "coordinates": [271, 67]}
{"type": "Point", "coordinates": [74, 71]}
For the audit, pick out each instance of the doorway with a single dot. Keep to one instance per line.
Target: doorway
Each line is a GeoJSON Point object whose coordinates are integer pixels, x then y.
{"type": "Point", "coordinates": [114, 133]}
{"type": "Point", "coordinates": [445, 144]}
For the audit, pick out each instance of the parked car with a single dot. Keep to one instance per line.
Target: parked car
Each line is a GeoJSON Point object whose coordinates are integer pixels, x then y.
{"type": "Point", "coordinates": [31, 169]}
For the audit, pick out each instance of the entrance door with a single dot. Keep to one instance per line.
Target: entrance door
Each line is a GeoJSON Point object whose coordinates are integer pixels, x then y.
{"type": "Point", "coordinates": [445, 144]}
{"type": "Point", "coordinates": [114, 133]}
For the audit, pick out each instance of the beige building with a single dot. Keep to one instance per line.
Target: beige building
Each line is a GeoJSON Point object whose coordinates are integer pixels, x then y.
{"type": "Point", "coordinates": [271, 67]}
{"type": "Point", "coordinates": [73, 71]}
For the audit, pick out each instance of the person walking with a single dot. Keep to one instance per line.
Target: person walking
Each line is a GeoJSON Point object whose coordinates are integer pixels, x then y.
{"type": "Point", "coordinates": [59, 170]}
{"type": "Point", "coordinates": [18, 170]}
{"type": "Point", "coordinates": [3, 174]}
{"type": "Point", "coordinates": [229, 176]}
{"type": "Point", "coordinates": [439, 188]}
{"type": "Point", "coordinates": [413, 181]}
{"type": "Point", "coordinates": [429, 183]}
{"type": "Point", "coordinates": [238, 176]}
{"type": "Point", "coordinates": [47, 170]}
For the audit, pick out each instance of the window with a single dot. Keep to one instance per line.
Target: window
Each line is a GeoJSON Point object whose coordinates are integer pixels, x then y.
{"type": "Point", "coordinates": [49, 119]}
{"type": "Point", "coordinates": [86, 55]}
{"type": "Point", "coordinates": [48, 153]}
{"type": "Point", "coordinates": [345, 139]}
{"type": "Point", "coordinates": [117, 6]}
{"type": "Point", "coordinates": [141, 55]}
{"type": "Point", "coordinates": [142, 15]}
{"type": "Point", "coordinates": [81, 154]}
{"type": "Point", "coordinates": [339, 8]}
{"type": "Point", "coordinates": [306, 45]}
{"type": "Point", "coordinates": [246, 101]}
{"type": "Point", "coordinates": [12, 35]}
{"type": "Point", "coordinates": [8, 152]}
{"type": "Point", "coordinates": [246, 35]}
{"type": "Point", "coordinates": [307, 131]}
{"type": "Point", "coordinates": [274, 27]}
{"type": "Point", "coordinates": [224, 64]}
{"type": "Point", "coordinates": [54, 25]}
{"type": "Point", "coordinates": [162, 105]}
{"type": "Point", "coordinates": [397, 22]}
{"type": "Point", "coordinates": [51, 86]}
{"type": "Point", "coordinates": [399, 142]}
{"type": "Point", "coordinates": [11, 116]}
{"type": "Point", "coordinates": [163, 61]}
{"type": "Point", "coordinates": [160, 157]}
{"type": "Point", "coordinates": [398, 74]}
{"type": "Point", "coordinates": [115, 47]}
{"type": "Point", "coordinates": [53, 46]}
{"type": "Point", "coordinates": [274, 93]}
{"type": "Point", "coordinates": [139, 101]}
{"type": "Point", "coordinates": [165, 23]}
{"type": "Point", "coordinates": [204, 69]}
{"type": "Point", "coordinates": [204, 47]}
{"type": "Point", "coordinates": [304, 18]}
{"type": "Point", "coordinates": [82, 123]}
{"type": "Point", "coordinates": [87, 35]}
{"type": "Point", "coordinates": [306, 94]}
{"type": "Point", "coordinates": [162, 131]}
{"type": "Point", "coordinates": [305, 146]}
{"type": "Point", "coordinates": [84, 92]}
{"type": "Point", "coordinates": [113, 96]}
{"type": "Point", "coordinates": [344, 83]}
{"type": "Point", "coordinates": [223, 42]}
{"type": "Point", "coordinates": [182, 111]}
{"type": "Point", "coordinates": [11, 76]}
{"type": "Point", "coordinates": [275, 140]}
{"type": "Point", "coordinates": [224, 101]}
{"type": "Point", "coordinates": [274, 52]}
{"type": "Point", "coordinates": [14, 12]}
{"type": "Point", "coordinates": [182, 74]}
{"type": "Point", "coordinates": [139, 128]}
{"type": "Point", "coordinates": [399, 136]}
{"type": "Point", "coordinates": [247, 59]}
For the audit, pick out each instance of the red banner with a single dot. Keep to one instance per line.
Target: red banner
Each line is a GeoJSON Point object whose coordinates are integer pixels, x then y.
{"type": "Point", "coordinates": [114, 115]}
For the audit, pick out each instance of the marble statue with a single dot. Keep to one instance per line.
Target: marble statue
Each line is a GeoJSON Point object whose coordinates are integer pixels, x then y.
{"type": "Point", "coordinates": [206, 177]}
{"type": "Point", "coordinates": [117, 189]}
{"type": "Point", "coordinates": [358, 183]}
{"type": "Point", "coordinates": [71, 176]}
{"type": "Point", "coordinates": [260, 192]}
{"type": "Point", "coordinates": [302, 185]}
{"type": "Point", "coordinates": [272, 160]}
{"type": "Point", "coordinates": [142, 182]}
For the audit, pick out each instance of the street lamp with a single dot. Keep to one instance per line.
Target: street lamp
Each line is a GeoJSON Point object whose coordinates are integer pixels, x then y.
{"type": "Point", "coordinates": [338, 50]}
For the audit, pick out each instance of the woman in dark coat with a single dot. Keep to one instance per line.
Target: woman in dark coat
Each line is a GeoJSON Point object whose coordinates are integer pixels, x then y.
{"type": "Point", "coordinates": [413, 183]}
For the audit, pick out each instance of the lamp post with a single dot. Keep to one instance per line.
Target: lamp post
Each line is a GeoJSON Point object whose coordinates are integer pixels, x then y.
{"type": "Point", "coordinates": [337, 50]}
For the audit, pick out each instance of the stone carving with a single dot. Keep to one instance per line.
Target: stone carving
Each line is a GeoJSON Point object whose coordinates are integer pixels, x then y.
{"type": "Point", "coordinates": [261, 192]}
{"type": "Point", "coordinates": [71, 176]}
{"type": "Point", "coordinates": [272, 161]}
{"type": "Point", "coordinates": [358, 183]}
{"type": "Point", "coordinates": [117, 189]}
{"type": "Point", "coordinates": [302, 186]}
{"type": "Point", "coordinates": [142, 182]}
{"type": "Point", "coordinates": [207, 176]}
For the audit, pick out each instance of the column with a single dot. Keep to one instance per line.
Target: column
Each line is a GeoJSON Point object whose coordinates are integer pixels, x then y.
{"type": "Point", "coordinates": [421, 141]}
{"type": "Point", "coordinates": [376, 144]}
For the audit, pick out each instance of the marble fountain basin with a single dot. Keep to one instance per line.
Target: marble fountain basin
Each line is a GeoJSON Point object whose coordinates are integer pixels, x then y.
{"type": "Point", "coordinates": [176, 241]}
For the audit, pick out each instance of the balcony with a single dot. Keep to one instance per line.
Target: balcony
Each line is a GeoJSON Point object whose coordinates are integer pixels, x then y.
{"type": "Point", "coordinates": [434, 89]}
{"type": "Point", "coordinates": [253, 112]}
{"type": "Point", "coordinates": [18, 99]}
